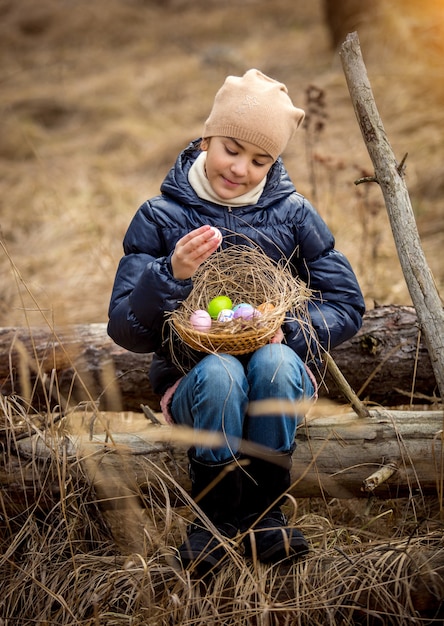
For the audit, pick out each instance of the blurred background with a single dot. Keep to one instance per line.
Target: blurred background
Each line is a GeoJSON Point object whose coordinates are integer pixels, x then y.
{"type": "Point", "coordinates": [98, 97]}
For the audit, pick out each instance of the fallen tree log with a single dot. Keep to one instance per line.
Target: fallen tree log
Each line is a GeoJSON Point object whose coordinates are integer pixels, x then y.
{"type": "Point", "coordinates": [391, 454]}
{"type": "Point", "coordinates": [386, 363]}
{"type": "Point", "coordinates": [336, 456]}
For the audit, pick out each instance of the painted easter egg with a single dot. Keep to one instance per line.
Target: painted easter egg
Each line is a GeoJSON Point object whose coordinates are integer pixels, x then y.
{"type": "Point", "coordinates": [217, 304]}
{"type": "Point", "coordinates": [244, 311]}
{"type": "Point", "coordinates": [238, 306]}
{"type": "Point", "coordinates": [226, 315]}
{"type": "Point", "coordinates": [217, 234]}
{"type": "Point", "coordinates": [200, 320]}
{"type": "Point", "coordinates": [266, 307]}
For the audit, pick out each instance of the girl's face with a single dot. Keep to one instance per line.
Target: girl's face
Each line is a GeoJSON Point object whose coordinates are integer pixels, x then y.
{"type": "Point", "coordinates": [234, 167]}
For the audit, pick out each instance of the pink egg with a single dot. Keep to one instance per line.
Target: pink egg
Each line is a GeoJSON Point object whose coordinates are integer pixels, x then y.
{"type": "Point", "coordinates": [200, 320]}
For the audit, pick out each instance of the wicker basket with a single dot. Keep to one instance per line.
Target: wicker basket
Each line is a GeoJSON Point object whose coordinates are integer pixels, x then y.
{"type": "Point", "coordinates": [244, 274]}
{"type": "Point", "coordinates": [239, 341]}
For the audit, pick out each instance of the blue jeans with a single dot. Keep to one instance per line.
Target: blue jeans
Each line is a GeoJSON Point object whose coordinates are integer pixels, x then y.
{"type": "Point", "coordinates": [215, 395]}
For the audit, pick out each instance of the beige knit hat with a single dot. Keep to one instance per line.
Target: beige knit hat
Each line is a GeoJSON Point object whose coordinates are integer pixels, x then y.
{"type": "Point", "coordinates": [254, 108]}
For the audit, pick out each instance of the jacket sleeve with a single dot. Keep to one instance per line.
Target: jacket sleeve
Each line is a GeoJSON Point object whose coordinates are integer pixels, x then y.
{"type": "Point", "coordinates": [144, 287]}
{"type": "Point", "coordinates": [336, 307]}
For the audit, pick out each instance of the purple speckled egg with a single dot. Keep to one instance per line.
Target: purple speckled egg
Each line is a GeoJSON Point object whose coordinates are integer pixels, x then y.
{"type": "Point", "coordinates": [244, 311]}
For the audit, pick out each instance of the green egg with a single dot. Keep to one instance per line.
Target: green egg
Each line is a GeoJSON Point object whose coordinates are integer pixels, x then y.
{"type": "Point", "coordinates": [217, 304]}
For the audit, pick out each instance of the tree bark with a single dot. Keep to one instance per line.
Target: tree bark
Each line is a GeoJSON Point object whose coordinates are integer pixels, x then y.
{"type": "Point", "coordinates": [335, 455]}
{"type": "Point", "coordinates": [386, 363]}
{"type": "Point", "coordinates": [390, 454]}
{"type": "Point", "coordinates": [390, 177]}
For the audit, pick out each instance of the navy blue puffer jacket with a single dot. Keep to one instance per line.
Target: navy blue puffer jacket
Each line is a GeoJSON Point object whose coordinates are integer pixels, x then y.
{"type": "Point", "coordinates": [282, 223]}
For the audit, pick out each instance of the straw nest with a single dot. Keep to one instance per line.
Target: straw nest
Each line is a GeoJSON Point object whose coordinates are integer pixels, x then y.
{"type": "Point", "coordinates": [244, 274]}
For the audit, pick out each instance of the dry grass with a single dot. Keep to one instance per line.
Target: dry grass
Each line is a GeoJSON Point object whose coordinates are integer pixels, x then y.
{"type": "Point", "coordinates": [96, 100]}
{"type": "Point", "coordinates": [81, 544]}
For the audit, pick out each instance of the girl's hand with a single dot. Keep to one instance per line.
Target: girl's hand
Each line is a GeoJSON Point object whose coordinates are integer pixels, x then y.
{"type": "Point", "coordinates": [192, 250]}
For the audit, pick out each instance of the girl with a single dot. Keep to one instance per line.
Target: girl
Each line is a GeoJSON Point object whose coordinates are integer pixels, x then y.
{"type": "Point", "coordinates": [233, 179]}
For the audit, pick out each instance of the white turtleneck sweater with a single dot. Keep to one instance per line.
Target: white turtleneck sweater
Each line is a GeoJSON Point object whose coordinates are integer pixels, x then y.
{"type": "Point", "coordinates": [198, 180]}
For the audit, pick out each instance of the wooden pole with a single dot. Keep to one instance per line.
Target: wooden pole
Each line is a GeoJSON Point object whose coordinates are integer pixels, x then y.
{"type": "Point", "coordinates": [390, 177]}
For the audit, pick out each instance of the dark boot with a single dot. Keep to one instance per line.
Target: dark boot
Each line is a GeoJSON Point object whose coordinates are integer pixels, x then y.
{"type": "Point", "coordinates": [217, 490]}
{"type": "Point", "coordinates": [268, 534]}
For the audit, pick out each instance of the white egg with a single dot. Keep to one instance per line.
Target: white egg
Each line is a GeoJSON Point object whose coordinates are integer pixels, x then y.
{"type": "Point", "coordinates": [226, 315]}
{"type": "Point", "coordinates": [217, 234]}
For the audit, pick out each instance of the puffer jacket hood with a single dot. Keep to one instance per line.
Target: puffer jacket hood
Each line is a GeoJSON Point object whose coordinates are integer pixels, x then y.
{"type": "Point", "coordinates": [283, 223]}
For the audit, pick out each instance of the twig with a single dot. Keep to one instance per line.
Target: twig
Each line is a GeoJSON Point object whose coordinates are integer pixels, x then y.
{"type": "Point", "coordinates": [367, 179]}
{"type": "Point", "coordinates": [379, 477]}
{"type": "Point", "coordinates": [400, 168]}
{"type": "Point", "coordinates": [150, 415]}
{"type": "Point", "coordinates": [357, 405]}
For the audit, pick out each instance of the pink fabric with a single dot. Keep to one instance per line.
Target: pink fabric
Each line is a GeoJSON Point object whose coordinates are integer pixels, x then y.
{"type": "Point", "coordinates": [165, 401]}
{"type": "Point", "coordinates": [313, 380]}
